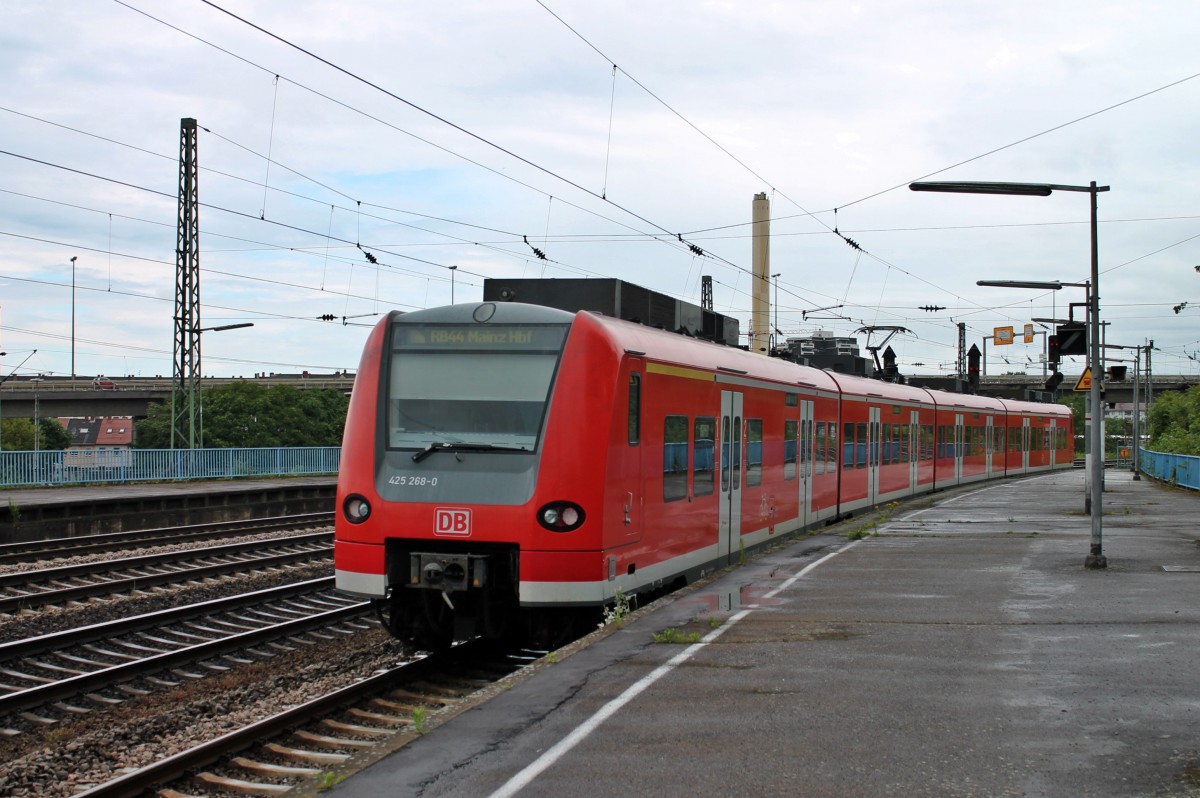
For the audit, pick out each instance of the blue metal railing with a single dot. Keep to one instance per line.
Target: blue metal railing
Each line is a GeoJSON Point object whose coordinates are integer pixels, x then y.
{"type": "Point", "coordinates": [73, 467]}
{"type": "Point", "coordinates": [1178, 469]}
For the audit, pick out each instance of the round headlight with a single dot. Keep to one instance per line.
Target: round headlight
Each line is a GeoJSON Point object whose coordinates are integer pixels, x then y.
{"type": "Point", "coordinates": [357, 509]}
{"type": "Point", "coordinates": [561, 516]}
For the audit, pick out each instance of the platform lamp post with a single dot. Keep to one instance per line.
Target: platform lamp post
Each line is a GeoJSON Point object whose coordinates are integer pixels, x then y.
{"type": "Point", "coordinates": [200, 376]}
{"type": "Point", "coordinates": [775, 326]}
{"type": "Point", "coordinates": [73, 257]}
{"type": "Point", "coordinates": [1095, 558]}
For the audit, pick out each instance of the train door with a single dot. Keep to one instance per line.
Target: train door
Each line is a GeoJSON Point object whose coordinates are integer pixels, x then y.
{"type": "Point", "coordinates": [873, 454]}
{"type": "Point", "coordinates": [914, 450]}
{"type": "Point", "coordinates": [729, 532]}
{"type": "Point", "coordinates": [1053, 442]}
{"type": "Point", "coordinates": [1026, 440]}
{"type": "Point", "coordinates": [958, 447]}
{"type": "Point", "coordinates": [806, 461]}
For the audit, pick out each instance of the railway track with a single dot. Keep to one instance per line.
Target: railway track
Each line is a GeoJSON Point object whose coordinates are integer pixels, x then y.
{"type": "Point", "coordinates": [29, 590]}
{"type": "Point", "coordinates": [82, 670]}
{"type": "Point", "coordinates": [320, 737]}
{"type": "Point", "coordinates": [60, 548]}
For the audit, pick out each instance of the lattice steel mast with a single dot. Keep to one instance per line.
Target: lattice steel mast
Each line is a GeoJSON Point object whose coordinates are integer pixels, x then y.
{"type": "Point", "coordinates": [186, 368]}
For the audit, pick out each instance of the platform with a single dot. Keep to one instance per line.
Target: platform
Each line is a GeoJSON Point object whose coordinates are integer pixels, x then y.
{"type": "Point", "coordinates": [962, 649]}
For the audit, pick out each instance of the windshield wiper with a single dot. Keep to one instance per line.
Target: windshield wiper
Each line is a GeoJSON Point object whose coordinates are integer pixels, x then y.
{"type": "Point", "coordinates": [449, 446]}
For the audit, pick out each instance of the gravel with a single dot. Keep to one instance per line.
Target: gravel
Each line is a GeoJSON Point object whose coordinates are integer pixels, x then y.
{"type": "Point", "coordinates": [81, 751]}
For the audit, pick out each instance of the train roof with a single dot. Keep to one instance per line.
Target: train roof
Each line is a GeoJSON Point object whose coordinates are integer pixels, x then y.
{"type": "Point", "coordinates": [683, 350]}
{"type": "Point", "coordinates": [1035, 408]}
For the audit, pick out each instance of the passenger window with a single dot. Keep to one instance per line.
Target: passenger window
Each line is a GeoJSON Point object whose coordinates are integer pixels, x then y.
{"type": "Point", "coordinates": [726, 453]}
{"type": "Point", "coordinates": [635, 408]}
{"type": "Point", "coordinates": [860, 456]}
{"type": "Point", "coordinates": [675, 458]}
{"type": "Point", "coordinates": [831, 451]}
{"type": "Point", "coordinates": [754, 445]}
{"type": "Point", "coordinates": [848, 447]}
{"type": "Point", "coordinates": [702, 456]}
{"type": "Point", "coordinates": [819, 460]}
{"type": "Point", "coordinates": [789, 449]}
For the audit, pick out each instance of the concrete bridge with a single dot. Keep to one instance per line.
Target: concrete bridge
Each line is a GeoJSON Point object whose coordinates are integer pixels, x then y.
{"type": "Point", "coordinates": [64, 397]}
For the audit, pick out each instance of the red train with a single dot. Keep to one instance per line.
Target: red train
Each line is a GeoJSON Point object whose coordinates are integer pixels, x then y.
{"type": "Point", "coordinates": [505, 462]}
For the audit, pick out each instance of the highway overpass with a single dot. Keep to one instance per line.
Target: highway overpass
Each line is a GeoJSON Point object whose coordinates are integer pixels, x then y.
{"type": "Point", "coordinates": [64, 397]}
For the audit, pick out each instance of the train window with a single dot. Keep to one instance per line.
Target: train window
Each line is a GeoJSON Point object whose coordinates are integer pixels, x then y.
{"type": "Point", "coordinates": [791, 400]}
{"type": "Point", "coordinates": [885, 441]}
{"type": "Point", "coordinates": [449, 383]}
{"type": "Point", "coordinates": [635, 408]}
{"type": "Point", "coordinates": [819, 464]}
{"type": "Point", "coordinates": [726, 454]}
{"type": "Point", "coordinates": [737, 450]}
{"type": "Point", "coordinates": [675, 458]}
{"type": "Point", "coordinates": [703, 432]}
{"type": "Point", "coordinates": [1014, 439]}
{"type": "Point", "coordinates": [860, 456]}
{"type": "Point", "coordinates": [754, 451]}
{"type": "Point", "coordinates": [848, 446]}
{"type": "Point", "coordinates": [831, 451]}
{"type": "Point", "coordinates": [790, 443]}
{"type": "Point", "coordinates": [806, 447]}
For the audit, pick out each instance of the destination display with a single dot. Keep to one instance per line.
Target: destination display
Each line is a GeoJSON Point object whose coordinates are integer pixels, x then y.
{"type": "Point", "coordinates": [542, 337]}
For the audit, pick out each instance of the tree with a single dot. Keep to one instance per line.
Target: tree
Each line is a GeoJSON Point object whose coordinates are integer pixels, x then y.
{"type": "Point", "coordinates": [1174, 421]}
{"type": "Point", "coordinates": [16, 435]}
{"type": "Point", "coordinates": [245, 414]}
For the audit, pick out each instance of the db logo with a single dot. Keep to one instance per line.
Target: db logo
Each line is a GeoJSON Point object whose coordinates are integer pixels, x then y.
{"type": "Point", "coordinates": [454, 521]}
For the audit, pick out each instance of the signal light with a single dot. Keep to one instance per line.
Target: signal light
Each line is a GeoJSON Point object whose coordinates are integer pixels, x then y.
{"type": "Point", "coordinates": [1052, 353]}
{"type": "Point", "coordinates": [1072, 339]}
{"type": "Point", "coordinates": [1054, 381]}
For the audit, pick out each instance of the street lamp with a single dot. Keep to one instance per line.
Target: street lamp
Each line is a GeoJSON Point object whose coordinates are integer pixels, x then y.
{"type": "Point", "coordinates": [1095, 558]}
{"type": "Point", "coordinates": [73, 257]}
{"type": "Point", "coordinates": [200, 376]}
{"type": "Point", "coordinates": [775, 277]}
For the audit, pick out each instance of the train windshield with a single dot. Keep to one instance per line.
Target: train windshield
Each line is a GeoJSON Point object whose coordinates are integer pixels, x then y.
{"type": "Point", "coordinates": [472, 384]}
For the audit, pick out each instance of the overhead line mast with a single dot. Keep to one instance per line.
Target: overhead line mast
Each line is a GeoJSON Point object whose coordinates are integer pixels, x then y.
{"type": "Point", "coordinates": [185, 374]}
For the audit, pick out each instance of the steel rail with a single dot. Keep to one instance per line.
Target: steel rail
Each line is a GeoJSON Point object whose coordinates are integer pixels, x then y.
{"type": "Point", "coordinates": [57, 641]}
{"type": "Point", "coordinates": [67, 571]}
{"type": "Point", "coordinates": [68, 688]}
{"type": "Point", "coordinates": [16, 603]}
{"type": "Point", "coordinates": [159, 536]}
{"type": "Point", "coordinates": [175, 767]}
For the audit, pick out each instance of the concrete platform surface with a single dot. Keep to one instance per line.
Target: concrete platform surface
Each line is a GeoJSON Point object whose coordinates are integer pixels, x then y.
{"type": "Point", "coordinates": [961, 649]}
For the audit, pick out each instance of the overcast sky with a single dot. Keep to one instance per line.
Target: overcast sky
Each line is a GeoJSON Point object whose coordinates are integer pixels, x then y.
{"type": "Point", "coordinates": [467, 134]}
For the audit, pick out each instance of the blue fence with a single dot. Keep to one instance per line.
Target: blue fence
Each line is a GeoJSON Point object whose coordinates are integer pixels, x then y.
{"type": "Point", "coordinates": [74, 467]}
{"type": "Point", "coordinates": [1178, 469]}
